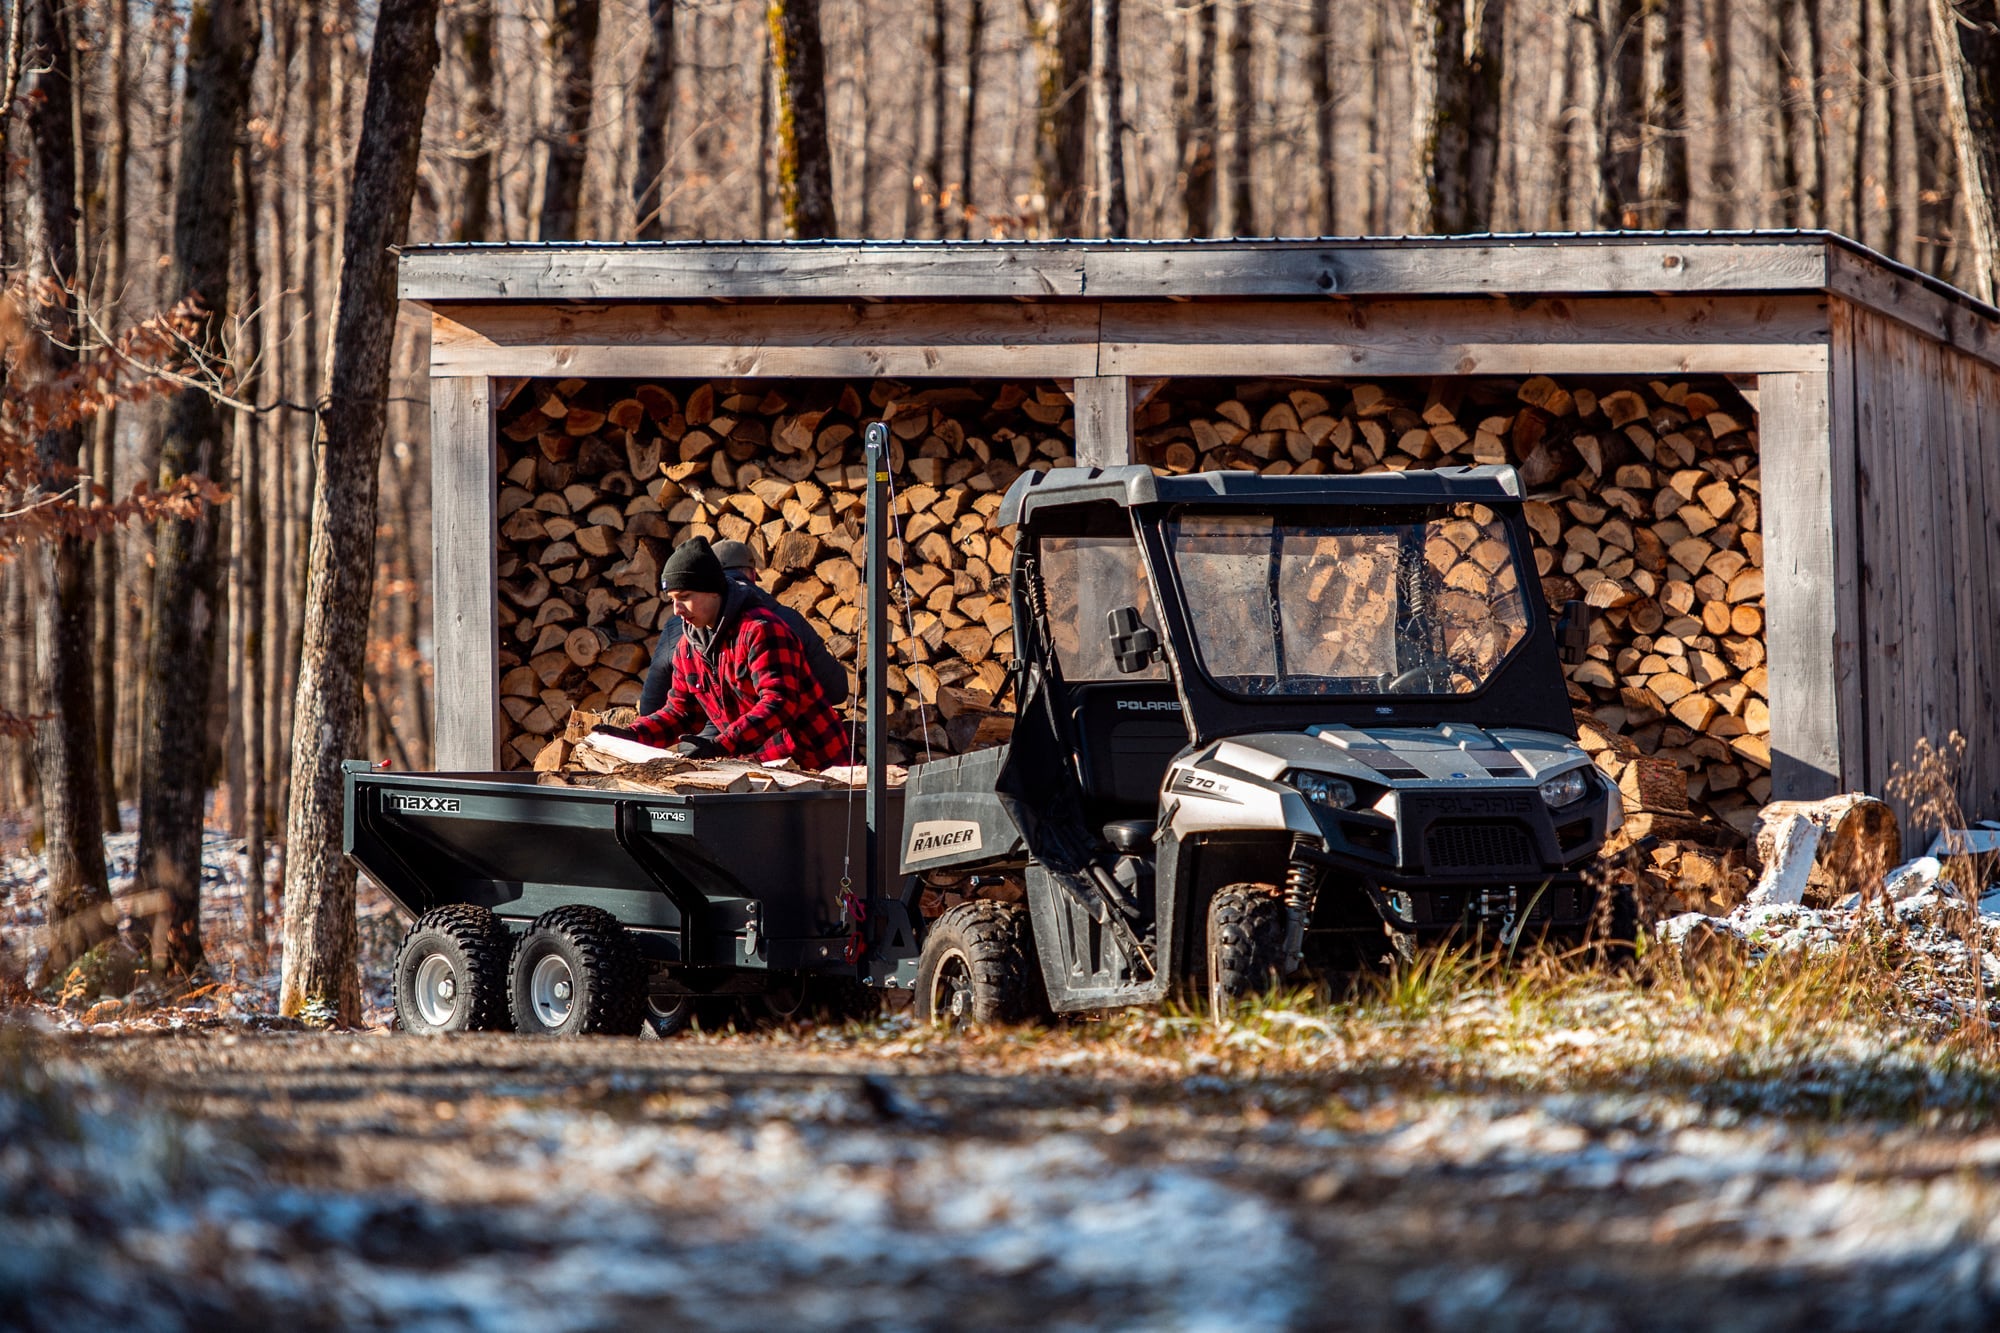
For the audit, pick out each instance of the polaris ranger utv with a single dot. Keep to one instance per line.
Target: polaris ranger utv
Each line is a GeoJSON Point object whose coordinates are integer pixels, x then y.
{"type": "Point", "coordinates": [1260, 718]}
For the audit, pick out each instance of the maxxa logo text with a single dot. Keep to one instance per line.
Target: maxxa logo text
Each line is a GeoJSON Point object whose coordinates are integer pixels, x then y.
{"type": "Point", "coordinates": [427, 805]}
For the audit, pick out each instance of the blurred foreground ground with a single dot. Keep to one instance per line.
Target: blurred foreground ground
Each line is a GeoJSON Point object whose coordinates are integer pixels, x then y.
{"type": "Point", "coordinates": [882, 1178]}
{"type": "Point", "coordinates": [1809, 1142]}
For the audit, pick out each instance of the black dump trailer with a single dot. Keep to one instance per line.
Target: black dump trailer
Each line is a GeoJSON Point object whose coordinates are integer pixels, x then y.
{"type": "Point", "coordinates": [1263, 724]}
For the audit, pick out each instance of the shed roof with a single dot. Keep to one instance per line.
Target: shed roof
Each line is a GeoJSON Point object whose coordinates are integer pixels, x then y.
{"type": "Point", "coordinates": [1547, 264]}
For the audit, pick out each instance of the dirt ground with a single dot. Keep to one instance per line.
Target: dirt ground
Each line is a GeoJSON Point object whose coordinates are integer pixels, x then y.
{"type": "Point", "coordinates": [882, 1179]}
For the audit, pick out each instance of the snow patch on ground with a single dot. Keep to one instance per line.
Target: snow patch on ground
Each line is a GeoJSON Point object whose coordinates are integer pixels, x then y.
{"type": "Point", "coordinates": [248, 979]}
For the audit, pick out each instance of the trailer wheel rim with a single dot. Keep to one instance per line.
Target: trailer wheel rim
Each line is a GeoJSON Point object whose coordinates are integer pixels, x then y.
{"type": "Point", "coordinates": [436, 990]}
{"type": "Point", "coordinates": [951, 989]}
{"type": "Point", "coordinates": [552, 990]}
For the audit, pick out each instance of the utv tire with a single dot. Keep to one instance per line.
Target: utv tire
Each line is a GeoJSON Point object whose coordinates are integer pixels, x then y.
{"type": "Point", "coordinates": [451, 972]}
{"type": "Point", "coordinates": [1246, 943]}
{"type": "Point", "coordinates": [576, 971]}
{"type": "Point", "coordinates": [978, 967]}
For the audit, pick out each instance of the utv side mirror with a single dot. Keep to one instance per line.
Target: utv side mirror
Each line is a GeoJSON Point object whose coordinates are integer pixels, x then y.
{"type": "Point", "coordinates": [1133, 646]}
{"type": "Point", "coordinates": [1573, 632]}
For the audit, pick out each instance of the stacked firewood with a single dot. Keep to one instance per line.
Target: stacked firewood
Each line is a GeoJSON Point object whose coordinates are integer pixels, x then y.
{"type": "Point", "coordinates": [1645, 504]}
{"type": "Point", "coordinates": [599, 482]}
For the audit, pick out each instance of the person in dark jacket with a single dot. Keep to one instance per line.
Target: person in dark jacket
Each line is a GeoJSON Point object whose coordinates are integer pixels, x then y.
{"type": "Point", "coordinates": [739, 566]}
{"type": "Point", "coordinates": [740, 668]}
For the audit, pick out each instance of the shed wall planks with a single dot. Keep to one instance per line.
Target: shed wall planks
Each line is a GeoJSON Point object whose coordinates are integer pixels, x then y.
{"type": "Point", "coordinates": [464, 558]}
{"type": "Point", "coordinates": [1927, 470]}
{"type": "Point", "coordinates": [1801, 603]}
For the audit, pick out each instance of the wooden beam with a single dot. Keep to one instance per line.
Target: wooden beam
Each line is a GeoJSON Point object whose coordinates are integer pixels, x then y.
{"type": "Point", "coordinates": [850, 339]}
{"type": "Point", "coordinates": [1951, 318]}
{"type": "Point", "coordinates": [1844, 519]}
{"type": "Point", "coordinates": [465, 543]}
{"type": "Point", "coordinates": [1608, 335]}
{"type": "Point", "coordinates": [1426, 266]}
{"type": "Point", "coordinates": [1628, 335]}
{"type": "Point", "coordinates": [1104, 408]}
{"type": "Point", "coordinates": [1802, 630]}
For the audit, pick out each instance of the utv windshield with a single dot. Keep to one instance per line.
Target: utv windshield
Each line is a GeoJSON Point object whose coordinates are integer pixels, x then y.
{"type": "Point", "coordinates": [1391, 602]}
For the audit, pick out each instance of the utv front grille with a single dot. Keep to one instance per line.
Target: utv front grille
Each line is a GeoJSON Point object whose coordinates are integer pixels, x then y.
{"type": "Point", "coordinates": [1479, 847]}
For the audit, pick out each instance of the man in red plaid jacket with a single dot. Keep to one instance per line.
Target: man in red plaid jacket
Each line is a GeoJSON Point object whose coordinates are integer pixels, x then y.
{"type": "Point", "coordinates": [741, 668]}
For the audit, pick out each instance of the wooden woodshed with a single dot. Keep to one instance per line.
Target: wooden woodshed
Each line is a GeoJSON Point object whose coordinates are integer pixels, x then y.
{"type": "Point", "coordinates": [1849, 407]}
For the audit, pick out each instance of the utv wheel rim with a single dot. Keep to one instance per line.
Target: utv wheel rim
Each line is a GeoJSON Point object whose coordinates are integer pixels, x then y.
{"type": "Point", "coordinates": [951, 990]}
{"type": "Point", "coordinates": [436, 990]}
{"type": "Point", "coordinates": [552, 991]}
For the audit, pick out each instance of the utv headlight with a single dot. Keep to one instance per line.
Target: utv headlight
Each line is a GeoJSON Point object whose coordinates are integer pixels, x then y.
{"type": "Point", "coordinates": [1566, 788]}
{"type": "Point", "coordinates": [1325, 789]}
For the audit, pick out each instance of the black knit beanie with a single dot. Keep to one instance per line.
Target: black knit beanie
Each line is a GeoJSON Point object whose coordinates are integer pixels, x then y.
{"type": "Point", "coordinates": [693, 568]}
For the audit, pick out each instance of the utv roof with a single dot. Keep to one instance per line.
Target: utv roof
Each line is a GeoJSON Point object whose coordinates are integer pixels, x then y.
{"type": "Point", "coordinates": [1136, 484]}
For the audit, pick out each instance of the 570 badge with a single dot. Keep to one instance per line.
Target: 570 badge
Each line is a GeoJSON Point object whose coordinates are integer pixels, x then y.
{"type": "Point", "coordinates": [424, 805]}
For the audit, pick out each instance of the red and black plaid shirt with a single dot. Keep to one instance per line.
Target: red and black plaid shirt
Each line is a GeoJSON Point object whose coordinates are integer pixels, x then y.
{"type": "Point", "coordinates": [760, 694]}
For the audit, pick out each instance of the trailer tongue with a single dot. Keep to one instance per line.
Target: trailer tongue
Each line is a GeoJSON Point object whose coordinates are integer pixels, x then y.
{"type": "Point", "coordinates": [1263, 722]}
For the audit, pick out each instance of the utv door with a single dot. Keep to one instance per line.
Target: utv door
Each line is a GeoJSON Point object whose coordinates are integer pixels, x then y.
{"type": "Point", "coordinates": [1091, 748]}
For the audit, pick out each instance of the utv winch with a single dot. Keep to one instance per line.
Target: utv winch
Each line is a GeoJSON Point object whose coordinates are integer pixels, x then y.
{"type": "Point", "coordinates": [1262, 722]}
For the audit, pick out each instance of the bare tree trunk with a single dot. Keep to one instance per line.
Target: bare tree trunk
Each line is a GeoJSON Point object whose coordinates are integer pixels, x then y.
{"type": "Point", "coordinates": [1486, 75]}
{"type": "Point", "coordinates": [104, 444]}
{"type": "Point", "coordinates": [762, 138]}
{"type": "Point", "coordinates": [1239, 116]}
{"type": "Point", "coordinates": [222, 47]}
{"type": "Point", "coordinates": [864, 159]}
{"type": "Point", "coordinates": [805, 160]}
{"type": "Point", "coordinates": [968, 110]}
{"type": "Point", "coordinates": [934, 90]}
{"type": "Point", "coordinates": [572, 49]}
{"type": "Point", "coordinates": [1904, 187]}
{"type": "Point", "coordinates": [1968, 53]}
{"type": "Point", "coordinates": [1663, 173]}
{"type": "Point", "coordinates": [1553, 183]}
{"type": "Point", "coordinates": [655, 105]}
{"type": "Point", "coordinates": [1836, 46]}
{"type": "Point", "coordinates": [319, 936]}
{"type": "Point", "coordinates": [1373, 99]}
{"type": "Point", "coordinates": [247, 601]}
{"type": "Point", "coordinates": [475, 40]}
{"type": "Point", "coordinates": [1107, 109]}
{"type": "Point", "coordinates": [1198, 157]}
{"type": "Point", "coordinates": [1063, 41]}
{"type": "Point", "coordinates": [1455, 77]}
{"type": "Point", "coordinates": [1319, 65]}
{"type": "Point", "coordinates": [1800, 109]}
{"type": "Point", "coordinates": [1437, 117]}
{"type": "Point", "coordinates": [1586, 143]}
{"type": "Point", "coordinates": [1618, 132]}
{"type": "Point", "coordinates": [78, 901]}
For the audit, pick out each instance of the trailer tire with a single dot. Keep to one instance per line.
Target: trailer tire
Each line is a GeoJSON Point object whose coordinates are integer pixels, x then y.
{"type": "Point", "coordinates": [1246, 943]}
{"type": "Point", "coordinates": [666, 1016]}
{"type": "Point", "coordinates": [576, 971]}
{"type": "Point", "coordinates": [978, 967]}
{"type": "Point", "coordinates": [451, 972]}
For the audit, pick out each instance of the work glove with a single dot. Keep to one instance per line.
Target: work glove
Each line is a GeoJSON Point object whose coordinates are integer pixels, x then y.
{"type": "Point", "coordinates": [622, 733]}
{"type": "Point", "coordinates": [697, 747]}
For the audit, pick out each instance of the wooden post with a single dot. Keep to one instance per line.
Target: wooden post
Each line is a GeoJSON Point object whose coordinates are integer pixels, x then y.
{"type": "Point", "coordinates": [465, 564]}
{"type": "Point", "coordinates": [1804, 640]}
{"type": "Point", "coordinates": [1104, 407]}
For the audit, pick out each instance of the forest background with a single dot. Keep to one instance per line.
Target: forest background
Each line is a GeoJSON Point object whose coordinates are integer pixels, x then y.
{"type": "Point", "coordinates": [180, 182]}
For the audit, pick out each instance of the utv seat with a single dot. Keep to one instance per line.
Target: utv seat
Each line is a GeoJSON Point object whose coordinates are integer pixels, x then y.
{"type": "Point", "coordinates": [1127, 735]}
